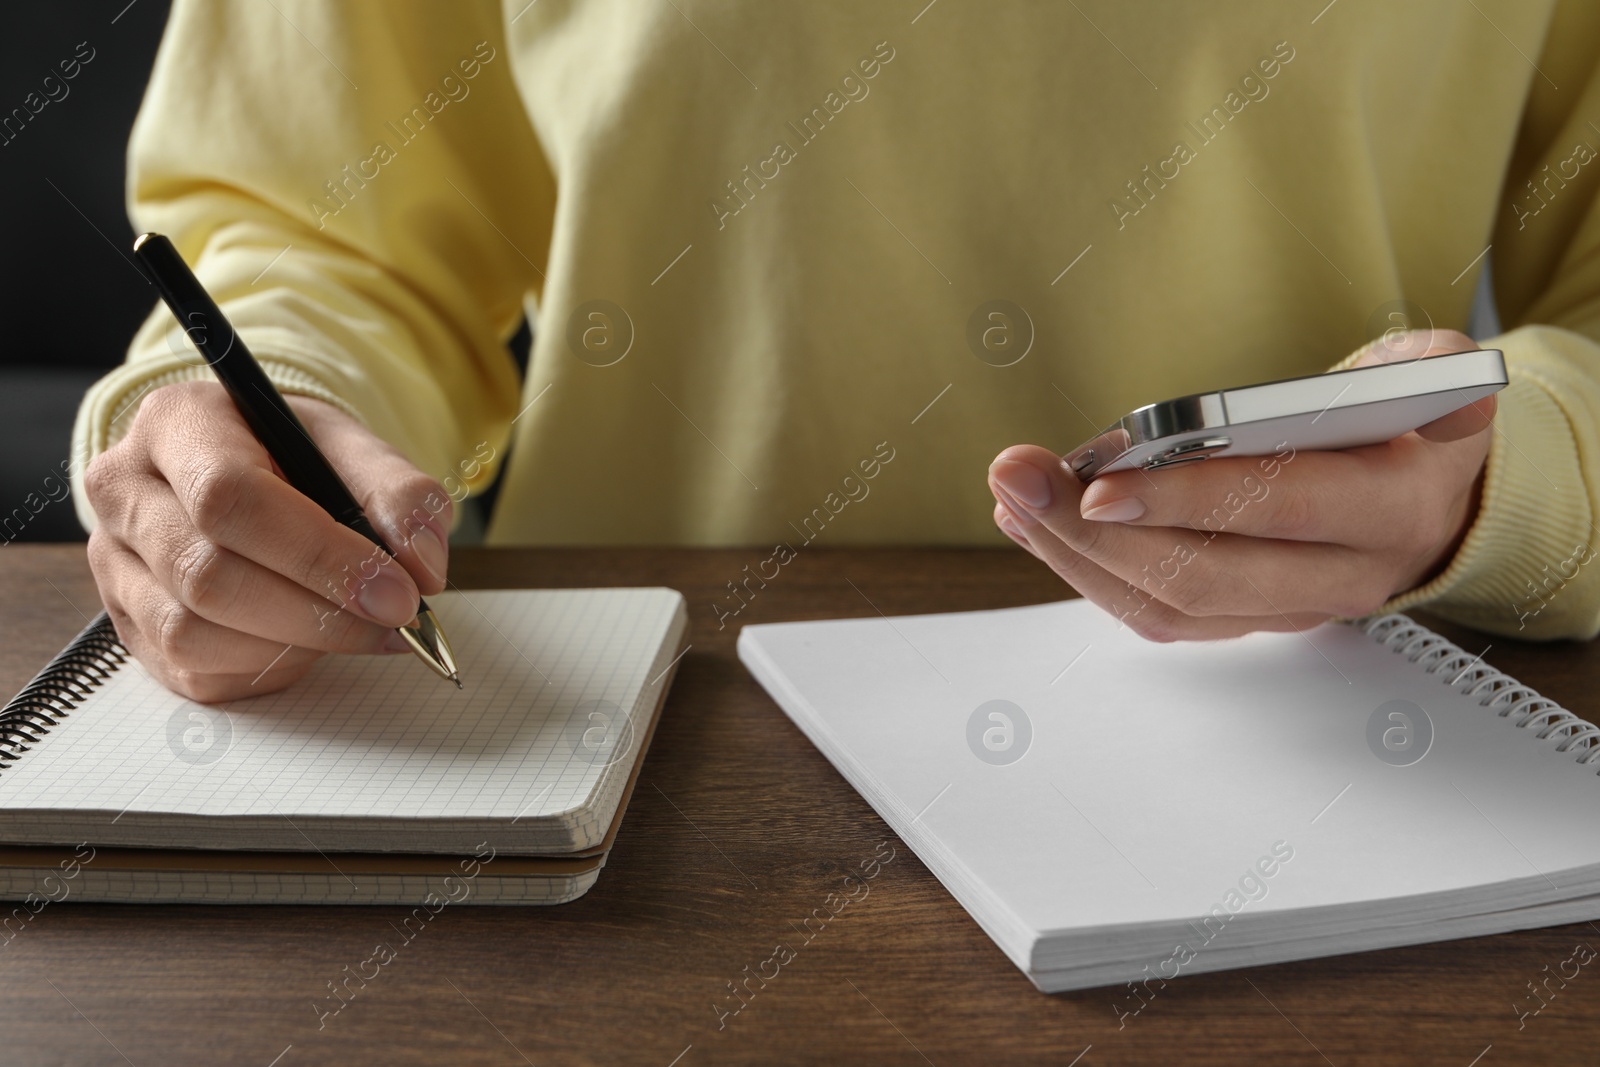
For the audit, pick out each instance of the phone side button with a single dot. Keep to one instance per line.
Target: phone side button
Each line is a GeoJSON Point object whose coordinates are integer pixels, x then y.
{"type": "Point", "coordinates": [1188, 451]}
{"type": "Point", "coordinates": [1157, 464]}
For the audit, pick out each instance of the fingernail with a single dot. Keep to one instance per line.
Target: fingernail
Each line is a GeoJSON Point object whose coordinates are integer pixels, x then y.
{"type": "Point", "coordinates": [431, 551]}
{"type": "Point", "coordinates": [386, 599]}
{"type": "Point", "coordinates": [1028, 484]}
{"type": "Point", "coordinates": [1009, 526]}
{"type": "Point", "coordinates": [1125, 510]}
{"type": "Point", "coordinates": [393, 642]}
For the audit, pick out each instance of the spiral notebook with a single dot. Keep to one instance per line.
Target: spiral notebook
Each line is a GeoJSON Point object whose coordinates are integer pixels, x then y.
{"type": "Point", "coordinates": [361, 782]}
{"type": "Point", "coordinates": [1117, 812]}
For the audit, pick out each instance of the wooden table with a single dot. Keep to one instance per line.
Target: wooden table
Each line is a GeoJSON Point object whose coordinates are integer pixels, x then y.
{"type": "Point", "coordinates": [738, 830]}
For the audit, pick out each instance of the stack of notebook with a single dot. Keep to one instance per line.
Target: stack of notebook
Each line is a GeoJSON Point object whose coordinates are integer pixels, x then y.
{"type": "Point", "coordinates": [369, 781]}
{"type": "Point", "coordinates": [1111, 810]}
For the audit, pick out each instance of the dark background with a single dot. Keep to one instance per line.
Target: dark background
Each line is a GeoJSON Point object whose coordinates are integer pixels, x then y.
{"type": "Point", "coordinates": [72, 301]}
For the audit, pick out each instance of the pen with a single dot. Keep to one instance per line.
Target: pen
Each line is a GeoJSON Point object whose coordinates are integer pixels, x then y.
{"type": "Point", "coordinates": [274, 423]}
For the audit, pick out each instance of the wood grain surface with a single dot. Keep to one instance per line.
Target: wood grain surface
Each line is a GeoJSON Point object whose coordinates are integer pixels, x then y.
{"type": "Point", "coordinates": [738, 831]}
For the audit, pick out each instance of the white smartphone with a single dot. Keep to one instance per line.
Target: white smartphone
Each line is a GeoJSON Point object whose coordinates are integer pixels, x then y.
{"type": "Point", "coordinates": [1327, 412]}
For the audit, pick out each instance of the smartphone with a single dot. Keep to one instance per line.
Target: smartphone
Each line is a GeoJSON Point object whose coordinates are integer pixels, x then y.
{"type": "Point", "coordinates": [1326, 412]}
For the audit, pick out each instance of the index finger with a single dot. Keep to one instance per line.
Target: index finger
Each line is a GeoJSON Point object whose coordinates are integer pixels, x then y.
{"type": "Point", "coordinates": [1292, 496]}
{"type": "Point", "coordinates": [246, 508]}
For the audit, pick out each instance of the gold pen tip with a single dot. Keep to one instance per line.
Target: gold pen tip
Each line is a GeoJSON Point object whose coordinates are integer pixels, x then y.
{"type": "Point", "coordinates": [429, 643]}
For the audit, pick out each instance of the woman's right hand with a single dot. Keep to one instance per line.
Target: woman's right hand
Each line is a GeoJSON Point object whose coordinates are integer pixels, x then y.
{"type": "Point", "coordinates": [223, 579]}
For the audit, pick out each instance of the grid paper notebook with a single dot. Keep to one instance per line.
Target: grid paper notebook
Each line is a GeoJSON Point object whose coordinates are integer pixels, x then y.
{"type": "Point", "coordinates": [1111, 810]}
{"type": "Point", "coordinates": [366, 753]}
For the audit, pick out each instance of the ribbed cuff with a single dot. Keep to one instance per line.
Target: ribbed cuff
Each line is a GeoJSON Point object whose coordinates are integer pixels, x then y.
{"type": "Point", "coordinates": [109, 407]}
{"type": "Point", "coordinates": [1532, 530]}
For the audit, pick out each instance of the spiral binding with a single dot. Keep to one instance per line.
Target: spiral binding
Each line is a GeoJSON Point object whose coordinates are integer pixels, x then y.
{"type": "Point", "coordinates": [1470, 676]}
{"type": "Point", "coordinates": [79, 669]}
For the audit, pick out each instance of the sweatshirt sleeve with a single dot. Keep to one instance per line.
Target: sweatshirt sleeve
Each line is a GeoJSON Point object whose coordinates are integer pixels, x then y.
{"type": "Point", "coordinates": [1527, 567]}
{"type": "Point", "coordinates": [359, 187]}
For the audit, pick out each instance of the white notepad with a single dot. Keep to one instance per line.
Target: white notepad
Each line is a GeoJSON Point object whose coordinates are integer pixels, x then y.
{"type": "Point", "coordinates": [367, 754]}
{"type": "Point", "coordinates": [1191, 807]}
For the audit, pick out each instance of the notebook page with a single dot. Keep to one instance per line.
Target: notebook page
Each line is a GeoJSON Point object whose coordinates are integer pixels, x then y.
{"type": "Point", "coordinates": [1157, 775]}
{"type": "Point", "coordinates": [374, 737]}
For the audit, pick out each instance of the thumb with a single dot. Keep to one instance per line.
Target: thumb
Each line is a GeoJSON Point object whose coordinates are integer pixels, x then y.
{"type": "Point", "coordinates": [411, 511]}
{"type": "Point", "coordinates": [1405, 346]}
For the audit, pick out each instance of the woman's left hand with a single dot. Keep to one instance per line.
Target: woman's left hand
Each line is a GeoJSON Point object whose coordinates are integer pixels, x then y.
{"type": "Point", "coordinates": [1228, 546]}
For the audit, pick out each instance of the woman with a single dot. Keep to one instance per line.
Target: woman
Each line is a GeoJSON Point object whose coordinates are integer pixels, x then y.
{"type": "Point", "coordinates": [772, 248]}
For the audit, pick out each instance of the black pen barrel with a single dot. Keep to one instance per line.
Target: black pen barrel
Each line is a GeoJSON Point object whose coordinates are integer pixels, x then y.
{"type": "Point", "coordinates": [266, 412]}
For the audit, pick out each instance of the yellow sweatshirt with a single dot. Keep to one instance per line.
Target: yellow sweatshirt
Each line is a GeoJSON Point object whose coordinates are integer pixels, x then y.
{"type": "Point", "coordinates": [800, 269]}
